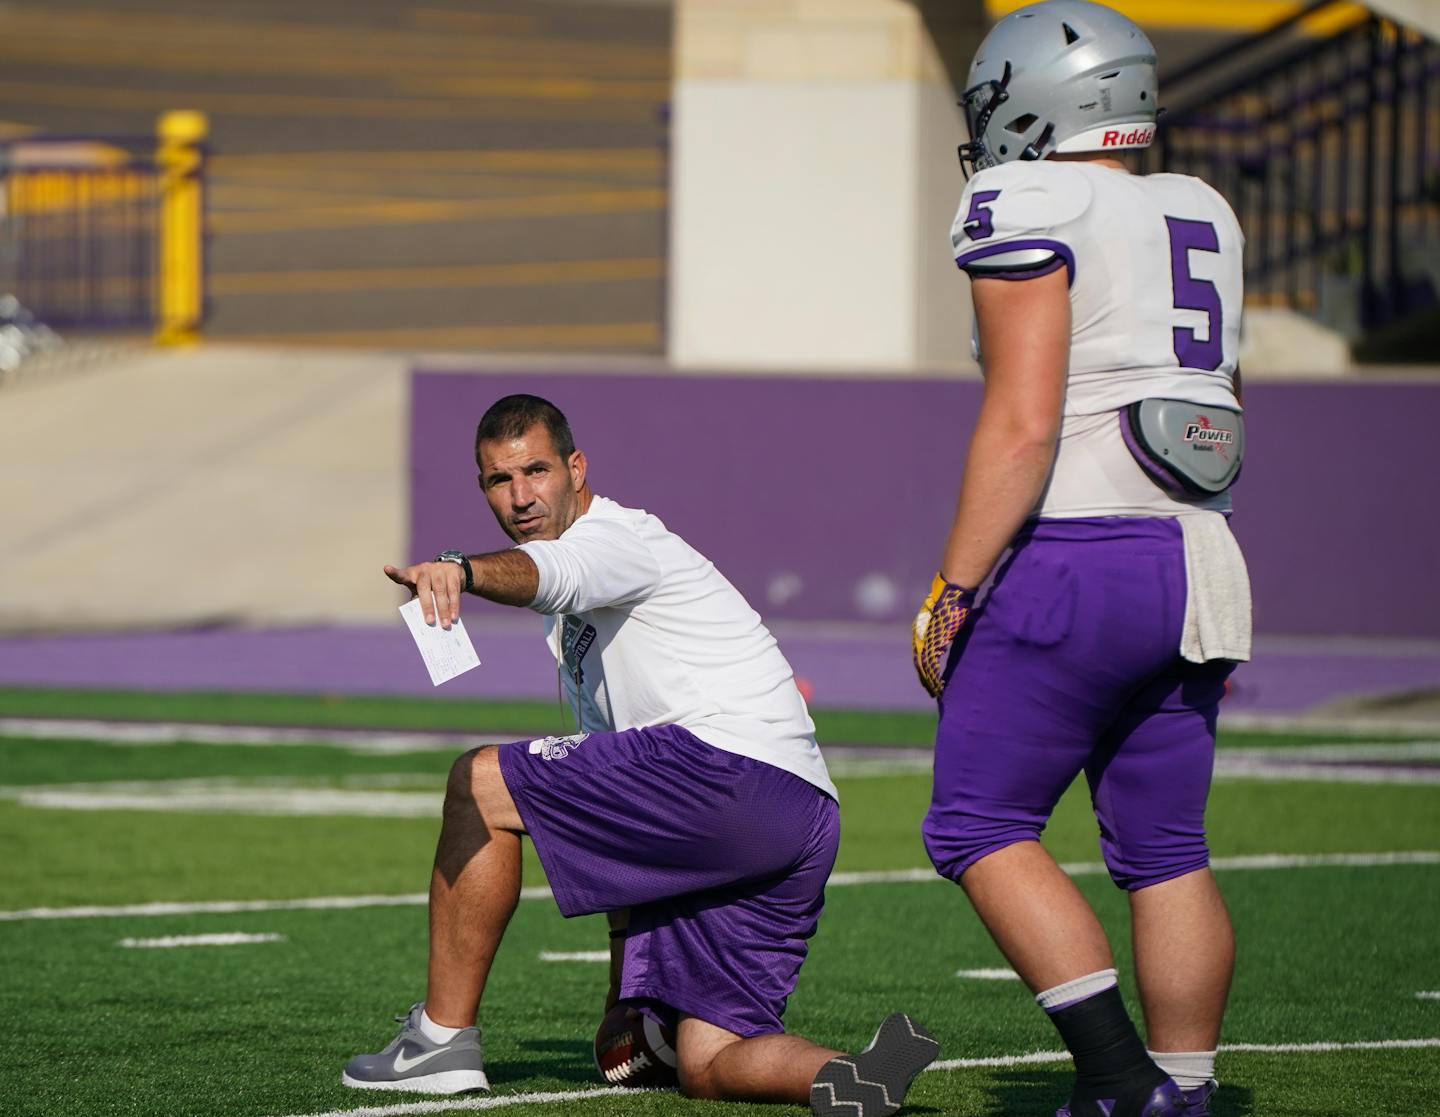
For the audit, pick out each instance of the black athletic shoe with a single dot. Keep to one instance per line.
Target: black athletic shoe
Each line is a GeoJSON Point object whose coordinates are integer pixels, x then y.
{"type": "Point", "coordinates": [873, 1083]}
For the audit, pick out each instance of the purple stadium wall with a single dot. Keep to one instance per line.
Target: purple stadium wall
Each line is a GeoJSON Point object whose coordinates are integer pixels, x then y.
{"type": "Point", "coordinates": [828, 499]}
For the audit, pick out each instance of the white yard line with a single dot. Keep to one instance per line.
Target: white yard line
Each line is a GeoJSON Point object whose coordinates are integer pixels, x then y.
{"type": "Point", "coordinates": [1428, 995]}
{"type": "Point", "coordinates": [575, 956]}
{"type": "Point", "coordinates": [124, 732]}
{"type": "Point", "coordinates": [501, 1101]}
{"type": "Point", "coordinates": [1258, 861]}
{"type": "Point", "coordinates": [229, 797]}
{"type": "Point", "coordinates": [1245, 862]}
{"type": "Point", "coordinates": [1357, 751]}
{"type": "Point", "coordinates": [1358, 763]}
{"type": "Point", "coordinates": [1321, 1048]}
{"type": "Point", "coordinates": [1320, 723]}
{"type": "Point", "coordinates": [989, 975]}
{"type": "Point", "coordinates": [1325, 1046]}
{"type": "Point", "coordinates": [233, 907]}
{"type": "Point", "coordinates": [1379, 762]}
{"type": "Point", "coordinates": [1003, 1060]}
{"type": "Point", "coordinates": [228, 938]}
{"type": "Point", "coordinates": [378, 797]}
{"type": "Point", "coordinates": [492, 1101]}
{"type": "Point", "coordinates": [194, 733]}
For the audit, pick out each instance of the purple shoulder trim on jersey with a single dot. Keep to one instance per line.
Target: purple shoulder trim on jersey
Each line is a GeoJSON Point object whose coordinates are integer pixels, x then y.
{"type": "Point", "coordinates": [977, 254]}
{"type": "Point", "coordinates": [1055, 263]}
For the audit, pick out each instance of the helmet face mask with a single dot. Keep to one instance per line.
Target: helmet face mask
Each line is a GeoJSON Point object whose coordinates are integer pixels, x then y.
{"type": "Point", "coordinates": [1063, 75]}
{"type": "Point", "coordinates": [980, 103]}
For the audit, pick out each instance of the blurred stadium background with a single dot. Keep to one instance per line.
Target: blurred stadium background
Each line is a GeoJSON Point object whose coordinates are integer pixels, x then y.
{"type": "Point", "coordinates": [263, 264]}
{"type": "Point", "coordinates": [715, 233]}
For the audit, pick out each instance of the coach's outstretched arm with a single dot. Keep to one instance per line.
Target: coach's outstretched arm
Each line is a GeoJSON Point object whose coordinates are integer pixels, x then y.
{"type": "Point", "coordinates": [509, 577]}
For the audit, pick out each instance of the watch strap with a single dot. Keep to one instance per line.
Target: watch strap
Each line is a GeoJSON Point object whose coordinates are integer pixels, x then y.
{"type": "Point", "coordinates": [462, 560]}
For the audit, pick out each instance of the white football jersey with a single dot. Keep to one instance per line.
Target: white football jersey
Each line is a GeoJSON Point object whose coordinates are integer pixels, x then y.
{"type": "Point", "coordinates": [1155, 271]}
{"type": "Point", "coordinates": [647, 632]}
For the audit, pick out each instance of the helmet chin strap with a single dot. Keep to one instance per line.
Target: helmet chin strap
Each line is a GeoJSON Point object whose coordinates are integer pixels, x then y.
{"type": "Point", "coordinates": [1036, 150]}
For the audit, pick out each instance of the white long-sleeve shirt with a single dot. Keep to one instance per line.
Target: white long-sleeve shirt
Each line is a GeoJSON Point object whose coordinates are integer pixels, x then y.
{"type": "Point", "coordinates": [648, 632]}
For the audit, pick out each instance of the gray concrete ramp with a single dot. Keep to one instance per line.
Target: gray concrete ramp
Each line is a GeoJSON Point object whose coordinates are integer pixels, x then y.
{"type": "Point", "coordinates": [213, 485]}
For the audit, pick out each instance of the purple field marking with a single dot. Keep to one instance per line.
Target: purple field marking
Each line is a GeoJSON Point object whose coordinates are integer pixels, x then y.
{"type": "Point", "coordinates": [857, 668]}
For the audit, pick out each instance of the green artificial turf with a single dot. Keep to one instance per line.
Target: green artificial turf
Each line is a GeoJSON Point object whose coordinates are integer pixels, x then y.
{"type": "Point", "coordinates": [915, 728]}
{"type": "Point", "coordinates": [262, 1029]}
{"type": "Point", "coordinates": [1328, 954]}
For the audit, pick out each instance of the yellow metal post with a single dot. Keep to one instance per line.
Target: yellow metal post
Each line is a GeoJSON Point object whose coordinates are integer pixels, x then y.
{"type": "Point", "coordinates": [182, 237]}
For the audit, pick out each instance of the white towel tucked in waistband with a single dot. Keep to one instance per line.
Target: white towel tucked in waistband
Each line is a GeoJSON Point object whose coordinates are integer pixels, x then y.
{"type": "Point", "coordinates": [1217, 605]}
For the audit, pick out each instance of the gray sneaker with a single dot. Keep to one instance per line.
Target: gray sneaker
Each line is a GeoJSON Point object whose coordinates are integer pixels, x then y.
{"type": "Point", "coordinates": [415, 1063]}
{"type": "Point", "coordinates": [873, 1082]}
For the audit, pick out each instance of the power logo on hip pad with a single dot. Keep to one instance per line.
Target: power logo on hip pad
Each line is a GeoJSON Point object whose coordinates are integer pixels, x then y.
{"type": "Point", "coordinates": [1202, 435]}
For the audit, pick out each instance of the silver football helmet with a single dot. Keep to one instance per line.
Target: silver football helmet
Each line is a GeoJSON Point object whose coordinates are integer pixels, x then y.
{"type": "Point", "coordinates": [1062, 75]}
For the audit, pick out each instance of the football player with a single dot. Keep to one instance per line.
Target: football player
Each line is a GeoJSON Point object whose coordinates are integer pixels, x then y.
{"type": "Point", "coordinates": [693, 805]}
{"type": "Point", "coordinates": [1091, 600]}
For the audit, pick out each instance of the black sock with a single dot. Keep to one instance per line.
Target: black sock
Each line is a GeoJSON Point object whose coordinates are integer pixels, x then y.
{"type": "Point", "coordinates": [1110, 1059]}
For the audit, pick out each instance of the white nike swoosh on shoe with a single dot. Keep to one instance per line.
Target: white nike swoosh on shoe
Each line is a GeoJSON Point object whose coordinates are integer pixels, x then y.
{"type": "Point", "coordinates": [403, 1064]}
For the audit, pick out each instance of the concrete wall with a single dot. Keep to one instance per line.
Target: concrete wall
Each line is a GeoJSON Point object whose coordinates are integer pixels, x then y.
{"type": "Point", "coordinates": [267, 487]}
{"type": "Point", "coordinates": [813, 185]}
{"type": "Point", "coordinates": [219, 485]}
{"type": "Point", "coordinates": [828, 499]}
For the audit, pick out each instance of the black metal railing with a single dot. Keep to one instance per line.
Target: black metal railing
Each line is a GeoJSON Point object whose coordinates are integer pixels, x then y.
{"type": "Point", "coordinates": [106, 232]}
{"type": "Point", "coordinates": [1329, 151]}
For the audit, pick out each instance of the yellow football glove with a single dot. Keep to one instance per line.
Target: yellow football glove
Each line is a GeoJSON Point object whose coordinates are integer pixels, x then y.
{"type": "Point", "coordinates": [936, 625]}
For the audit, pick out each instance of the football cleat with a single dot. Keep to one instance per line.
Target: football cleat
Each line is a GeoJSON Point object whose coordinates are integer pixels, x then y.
{"type": "Point", "coordinates": [873, 1082]}
{"type": "Point", "coordinates": [1164, 1100]}
{"type": "Point", "coordinates": [417, 1064]}
{"type": "Point", "coordinates": [1197, 1101]}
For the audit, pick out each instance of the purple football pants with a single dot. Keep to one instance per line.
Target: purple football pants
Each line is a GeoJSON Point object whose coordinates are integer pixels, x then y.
{"type": "Point", "coordinates": [1071, 665]}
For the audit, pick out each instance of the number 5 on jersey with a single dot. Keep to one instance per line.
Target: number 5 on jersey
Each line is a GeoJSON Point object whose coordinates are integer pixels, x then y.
{"type": "Point", "coordinates": [1195, 294]}
{"type": "Point", "coordinates": [979, 222]}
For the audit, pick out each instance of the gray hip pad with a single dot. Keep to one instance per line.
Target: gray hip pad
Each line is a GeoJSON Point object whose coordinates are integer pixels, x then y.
{"type": "Point", "coordinates": [1187, 449]}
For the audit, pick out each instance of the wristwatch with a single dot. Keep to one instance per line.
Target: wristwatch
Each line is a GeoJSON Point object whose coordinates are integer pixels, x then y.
{"type": "Point", "coordinates": [460, 559]}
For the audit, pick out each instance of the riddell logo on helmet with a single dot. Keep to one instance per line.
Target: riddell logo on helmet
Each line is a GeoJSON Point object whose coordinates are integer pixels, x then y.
{"type": "Point", "coordinates": [1115, 138]}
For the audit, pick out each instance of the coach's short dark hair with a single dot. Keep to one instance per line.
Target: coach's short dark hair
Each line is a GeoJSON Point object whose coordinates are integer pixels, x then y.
{"type": "Point", "coordinates": [512, 416]}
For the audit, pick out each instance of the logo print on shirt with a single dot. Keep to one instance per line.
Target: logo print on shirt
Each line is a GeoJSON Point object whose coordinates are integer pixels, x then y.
{"type": "Point", "coordinates": [557, 748]}
{"type": "Point", "coordinates": [575, 640]}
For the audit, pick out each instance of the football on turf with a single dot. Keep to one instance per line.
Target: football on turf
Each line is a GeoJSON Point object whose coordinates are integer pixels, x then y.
{"type": "Point", "coordinates": [633, 1050]}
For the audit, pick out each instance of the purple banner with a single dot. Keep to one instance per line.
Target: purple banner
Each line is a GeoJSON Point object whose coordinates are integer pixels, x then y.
{"type": "Point", "coordinates": [829, 499]}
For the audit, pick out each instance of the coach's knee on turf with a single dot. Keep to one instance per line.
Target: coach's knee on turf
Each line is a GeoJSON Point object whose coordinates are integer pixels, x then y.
{"type": "Point", "coordinates": [698, 1082]}
{"type": "Point", "coordinates": [698, 1047]}
{"type": "Point", "coordinates": [695, 1074]}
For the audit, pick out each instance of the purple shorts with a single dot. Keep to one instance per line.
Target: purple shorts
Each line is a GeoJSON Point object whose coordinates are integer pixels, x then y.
{"type": "Point", "coordinates": [722, 860]}
{"type": "Point", "coordinates": [1072, 665]}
